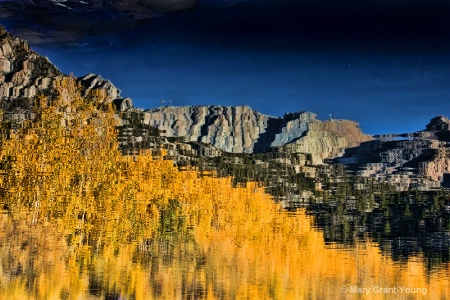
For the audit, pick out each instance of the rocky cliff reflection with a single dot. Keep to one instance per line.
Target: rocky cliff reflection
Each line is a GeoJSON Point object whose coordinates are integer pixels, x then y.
{"type": "Point", "coordinates": [82, 221]}
{"type": "Point", "coordinates": [404, 224]}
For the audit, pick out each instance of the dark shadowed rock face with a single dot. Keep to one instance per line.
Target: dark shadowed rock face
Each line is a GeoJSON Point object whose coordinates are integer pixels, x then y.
{"type": "Point", "coordinates": [71, 21]}
{"type": "Point", "coordinates": [130, 9]}
{"type": "Point", "coordinates": [120, 6]}
{"type": "Point", "coordinates": [439, 123]}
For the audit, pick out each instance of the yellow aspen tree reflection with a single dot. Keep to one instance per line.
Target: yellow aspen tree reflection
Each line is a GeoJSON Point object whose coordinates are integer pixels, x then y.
{"type": "Point", "coordinates": [82, 221]}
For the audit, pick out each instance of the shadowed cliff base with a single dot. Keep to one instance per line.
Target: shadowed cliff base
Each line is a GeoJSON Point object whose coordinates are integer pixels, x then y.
{"type": "Point", "coordinates": [265, 139]}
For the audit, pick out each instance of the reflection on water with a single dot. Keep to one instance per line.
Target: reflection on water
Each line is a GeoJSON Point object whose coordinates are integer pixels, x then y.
{"type": "Point", "coordinates": [404, 224]}
{"type": "Point", "coordinates": [285, 260]}
{"type": "Point", "coordinates": [81, 221]}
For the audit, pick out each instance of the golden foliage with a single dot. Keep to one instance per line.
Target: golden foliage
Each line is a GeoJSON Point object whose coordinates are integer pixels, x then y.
{"type": "Point", "coordinates": [82, 221]}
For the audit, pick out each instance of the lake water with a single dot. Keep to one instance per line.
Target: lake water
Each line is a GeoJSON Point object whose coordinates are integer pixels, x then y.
{"type": "Point", "coordinates": [281, 257]}
{"type": "Point", "coordinates": [80, 220]}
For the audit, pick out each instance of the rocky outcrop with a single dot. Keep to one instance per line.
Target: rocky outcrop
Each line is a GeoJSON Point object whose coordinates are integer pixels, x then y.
{"type": "Point", "coordinates": [424, 153]}
{"type": "Point", "coordinates": [437, 166]}
{"type": "Point", "coordinates": [112, 93]}
{"type": "Point", "coordinates": [233, 129]}
{"type": "Point", "coordinates": [24, 74]}
{"type": "Point", "coordinates": [328, 139]}
{"type": "Point", "coordinates": [438, 124]}
{"type": "Point", "coordinates": [240, 129]}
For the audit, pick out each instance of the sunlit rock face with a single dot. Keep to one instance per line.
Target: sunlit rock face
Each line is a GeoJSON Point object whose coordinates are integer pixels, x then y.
{"type": "Point", "coordinates": [230, 128]}
{"type": "Point", "coordinates": [328, 139]}
{"type": "Point", "coordinates": [24, 73]}
{"type": "Point", "coordinates": [240, 129]}
{"type": "Point", "coordinates": [93, 81]}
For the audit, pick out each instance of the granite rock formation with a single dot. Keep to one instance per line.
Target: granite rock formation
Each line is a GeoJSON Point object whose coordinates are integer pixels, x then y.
{"type": "Point", "coordinates": [24, 73]}
{"type": "Point", "coordinates": [240, 129]}
{"type": "Point", "coordinates": [233, 129]}
{"type": "Point", "coordinates": [402, 157]}
{"type": "Point", "coordinates": [328, 139]}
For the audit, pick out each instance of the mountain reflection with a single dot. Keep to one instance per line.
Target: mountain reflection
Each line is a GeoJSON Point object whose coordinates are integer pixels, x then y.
{"type": "Point", "coordinates": [82, 221]}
